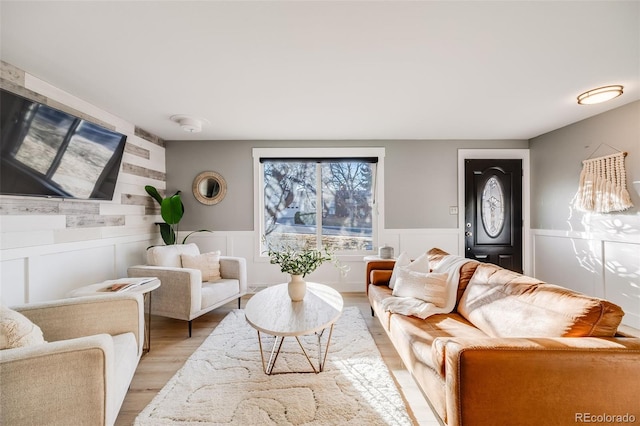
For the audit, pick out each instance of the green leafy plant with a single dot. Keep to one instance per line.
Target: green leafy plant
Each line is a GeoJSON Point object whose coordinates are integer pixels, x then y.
{"type": "Point", "coordinates": [171, 210]}
{"type": "Point", "coordinates": [301, 261]}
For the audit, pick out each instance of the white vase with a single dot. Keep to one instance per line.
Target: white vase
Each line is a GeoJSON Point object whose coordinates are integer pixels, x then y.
{"type": "Point", "coordinates": [297, 288]}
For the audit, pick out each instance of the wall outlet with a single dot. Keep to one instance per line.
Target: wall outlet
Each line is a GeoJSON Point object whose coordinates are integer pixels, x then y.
{"type": "Point", "coordinates": [453, 209]}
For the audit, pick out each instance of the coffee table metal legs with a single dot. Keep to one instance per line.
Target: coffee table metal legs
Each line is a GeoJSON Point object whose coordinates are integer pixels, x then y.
{"type": "Point", "coordinates": [274, 353]}
{"type": "Point", "coordinates": [323, 359]}
{"type": "Point", "coordinates": [277, 345]}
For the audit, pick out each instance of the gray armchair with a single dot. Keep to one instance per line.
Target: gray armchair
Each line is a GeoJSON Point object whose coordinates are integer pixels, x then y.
{"type": "Point", "coordinates": [82, 374]}
{"type": "Point", "coordinates": [183, 293]}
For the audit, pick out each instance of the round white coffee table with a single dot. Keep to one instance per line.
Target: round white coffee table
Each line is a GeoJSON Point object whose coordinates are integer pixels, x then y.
{"type": "Point", "coordinates": [142, 286]}
{"type": "Point", "coordinates": [271, 311]}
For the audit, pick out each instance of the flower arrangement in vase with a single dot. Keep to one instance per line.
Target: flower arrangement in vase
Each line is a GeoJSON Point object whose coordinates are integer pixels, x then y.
{"type": "Point", "coordinates": [298, 263]}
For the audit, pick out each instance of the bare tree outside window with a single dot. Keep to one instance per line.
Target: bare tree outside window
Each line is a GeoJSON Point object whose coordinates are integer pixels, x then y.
{"type": "Point", "coordinates": [319, 204]}
{"type": "Point", "coordinates": [347, 205]}
{"type": "Point", "coordinates": [289, 196]}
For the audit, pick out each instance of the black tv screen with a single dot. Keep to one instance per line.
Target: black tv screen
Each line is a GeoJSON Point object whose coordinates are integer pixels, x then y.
{"type": "Point", "coordinates": [48, 152]}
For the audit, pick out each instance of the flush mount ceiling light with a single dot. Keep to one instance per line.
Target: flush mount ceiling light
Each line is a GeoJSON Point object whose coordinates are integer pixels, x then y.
{"type": "Point", "coordinates": [601, 94]}
{"type": "Point", "coordinates": [189, 123]}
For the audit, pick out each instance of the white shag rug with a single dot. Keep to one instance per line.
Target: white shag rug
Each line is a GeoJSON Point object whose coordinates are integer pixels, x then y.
{"type": "Point", "coordinates": [223, 383]}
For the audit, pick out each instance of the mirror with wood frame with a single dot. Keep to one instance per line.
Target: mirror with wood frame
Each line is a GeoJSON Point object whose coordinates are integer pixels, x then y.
{"type": "Point", "coordinates": [209, 188]}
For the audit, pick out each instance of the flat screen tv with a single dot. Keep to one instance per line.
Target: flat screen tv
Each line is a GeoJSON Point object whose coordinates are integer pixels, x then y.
{"type": "Point", "coordinates": [50, 153]}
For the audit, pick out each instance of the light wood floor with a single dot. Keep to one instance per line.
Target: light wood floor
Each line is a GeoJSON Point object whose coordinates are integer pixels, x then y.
{"type": "Point", "coordinates": [171, 346]}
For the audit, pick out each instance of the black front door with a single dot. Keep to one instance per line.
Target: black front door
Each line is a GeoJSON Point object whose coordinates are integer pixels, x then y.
{"type": "Point", "coordinates": [493, 212]}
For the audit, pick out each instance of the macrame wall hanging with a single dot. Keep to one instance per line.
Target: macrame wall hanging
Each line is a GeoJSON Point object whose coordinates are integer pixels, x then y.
{"type": "Point", "coordinates": [603, 185]}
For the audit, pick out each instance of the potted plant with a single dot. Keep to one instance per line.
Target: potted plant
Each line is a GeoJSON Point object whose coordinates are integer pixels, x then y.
{"type": "Point", "coordinates": [171, 210]}
{"type": "Point", "coordinates": [298, 263]}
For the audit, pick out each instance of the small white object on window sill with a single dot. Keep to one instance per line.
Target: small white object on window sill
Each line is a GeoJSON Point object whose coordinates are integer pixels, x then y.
{"type": "Point", "coordinates": [385, 252]}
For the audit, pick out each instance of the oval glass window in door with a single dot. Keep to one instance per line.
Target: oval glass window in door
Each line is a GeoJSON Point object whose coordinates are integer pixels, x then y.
{"type": "Point", "coordinates": [492, 207]}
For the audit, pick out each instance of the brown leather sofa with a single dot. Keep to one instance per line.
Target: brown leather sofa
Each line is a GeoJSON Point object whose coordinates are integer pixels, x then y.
{"type": "Point", "coordinates": [515, 351]}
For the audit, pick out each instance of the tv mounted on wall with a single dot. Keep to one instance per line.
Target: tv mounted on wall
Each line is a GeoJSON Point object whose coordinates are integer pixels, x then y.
{"type": "Point", "coordinates": [50, 153]}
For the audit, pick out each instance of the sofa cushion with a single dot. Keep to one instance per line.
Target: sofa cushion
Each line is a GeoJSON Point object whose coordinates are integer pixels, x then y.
{"type": "Point", "coordinates": [429, 287]}
{"type": "Point", "coordinates": [503, 303]}
{"type": "Point", "coordinates": [417, 336]}
{"type": "Point", "coordinates": [207, 263]}
{"type": "Point", "coordinates": [402, 261]}
{"type": "Point", "coordinates": [17, 331]}
{"type": "Point", "coordinates": [217, 291]}
{"type": "Point", "coordinates": [376, 295]}
{"type": "Point", "coordinates": [420, 265]}
{"type": "Point", "coordinates": [169, 256]}
{"type": "Point", "coordinates": [126, 358]}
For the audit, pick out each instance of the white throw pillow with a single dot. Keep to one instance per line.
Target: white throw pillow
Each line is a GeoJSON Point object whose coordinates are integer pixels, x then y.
{"type": "Point", "coordinates": [17, 331]}
{"type": "Point", "coordinates": [169, 256]}
{"type": "Point", "coordinates": [421, 264]}
{"type": "Point", "coordinates": [428, 287]}
{"type": "Point", "coordinates": [207, 263]}
{"type": "Point", "coordinates": [402, 261]}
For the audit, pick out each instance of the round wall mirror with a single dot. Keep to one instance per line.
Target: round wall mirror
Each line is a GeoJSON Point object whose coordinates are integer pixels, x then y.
{"type": "Point", "coordinates": [209, 188]}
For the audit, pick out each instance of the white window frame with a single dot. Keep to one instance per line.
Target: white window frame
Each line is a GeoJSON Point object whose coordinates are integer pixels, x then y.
{"type": "Point", "coordinates": [335, 152]}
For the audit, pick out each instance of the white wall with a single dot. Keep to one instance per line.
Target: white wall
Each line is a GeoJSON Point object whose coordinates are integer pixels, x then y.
{"type": "Point", "coordinates": [597, 266]}
{"type": "Point", "coordinates": [51, 246]}
{"type": "Point", "coordinates": [598, 254]}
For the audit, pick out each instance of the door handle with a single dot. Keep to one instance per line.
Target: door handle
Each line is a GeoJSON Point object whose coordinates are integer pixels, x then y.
{"type": "Point", "coordinates": [468, 234]}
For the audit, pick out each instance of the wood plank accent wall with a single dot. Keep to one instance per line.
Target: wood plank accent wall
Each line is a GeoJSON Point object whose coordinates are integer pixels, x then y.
{"type": "Point", "coordinates": [132, 212]}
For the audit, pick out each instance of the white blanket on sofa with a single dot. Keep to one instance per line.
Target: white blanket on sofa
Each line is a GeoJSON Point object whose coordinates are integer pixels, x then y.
{"type": "Point", "coordinates": [450, 265]}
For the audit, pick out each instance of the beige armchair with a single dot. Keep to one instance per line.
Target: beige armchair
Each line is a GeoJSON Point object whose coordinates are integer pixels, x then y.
{"type": "Point", "coordinates": [81, 375]}
{"type": "Point", "coordinates": [192, 283]}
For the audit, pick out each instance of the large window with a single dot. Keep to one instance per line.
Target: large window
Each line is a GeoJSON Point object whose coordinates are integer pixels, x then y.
{"type": "Point", "coordinates": [313, 201]}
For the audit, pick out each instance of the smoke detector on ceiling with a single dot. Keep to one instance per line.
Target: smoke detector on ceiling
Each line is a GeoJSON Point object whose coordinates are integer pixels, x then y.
{"type": "Point", "coordinates": [189, 123]}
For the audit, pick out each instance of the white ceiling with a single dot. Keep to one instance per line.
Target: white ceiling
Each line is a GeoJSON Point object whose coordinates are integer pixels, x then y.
{"type": "Point", "coordinates": [315, 70]}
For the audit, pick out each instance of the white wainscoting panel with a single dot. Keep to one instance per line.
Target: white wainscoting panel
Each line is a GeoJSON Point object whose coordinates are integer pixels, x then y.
{"type": "Point", "coordinates": [12, 282]}
{"type": "Point", "coordinates": [597, 265]}
{"type": "Point", "coordinates": [35, 274]}
{"type": "Point", "coordinates": [418, 241]}
{"type": "Point", "coordinates": [569, 262]}
{"type": "Point", "coordinates": [129, 254]}
{"type": "Point", "coordinates": [622, 279]}
{"type": "Point", "coordinates": [53, 276]}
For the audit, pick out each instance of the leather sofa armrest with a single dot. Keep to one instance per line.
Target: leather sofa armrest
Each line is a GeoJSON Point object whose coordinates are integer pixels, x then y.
{"type": "Point", "coordinates": [539, 380]}
{"type": "Point", "coordinates": [380, 277]}
{"type": "Point", "coordinates": [377, 266]}
{"type": "Point", "coordinates": [53, 383]}
{"type": "Point", "coordinates": [88, 315]}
